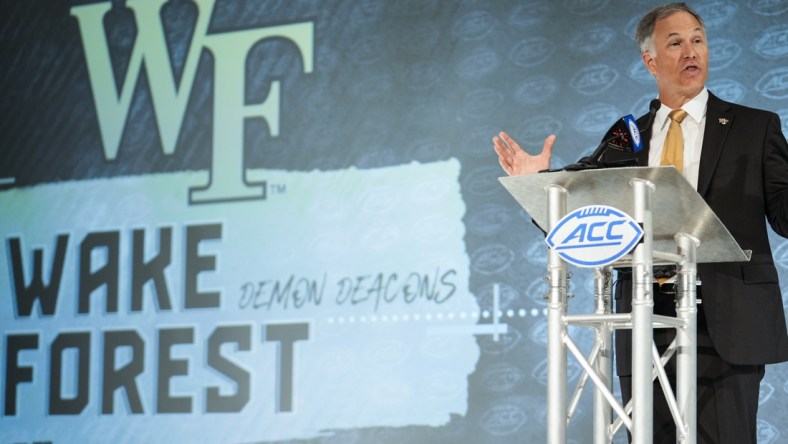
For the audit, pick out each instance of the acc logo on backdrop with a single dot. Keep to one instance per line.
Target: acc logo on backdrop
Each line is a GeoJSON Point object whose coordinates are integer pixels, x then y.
{"type": "Point", "coordinates": [774, 84]}
{"type": "Point", "coordinates": [767, 7]}
{"type": "Point", "coordinates": [595, 118]}
{"type": "Point", "coordinates": [725, 52]}
{"type": "Point", "coordinates": [593, 39]}
{"type": "Point", "coordinates": [536, 89]}
{"type": "Point", "coordinates": [718, 13]}
{"type": "Point", "coordinates": [594, 79]}
{"type": "Point", "coordinates": [531, 52]}
{"type": "Point", "coordinates": [594, 236]}
{"type": "Point", "coordinates": [771, 42]}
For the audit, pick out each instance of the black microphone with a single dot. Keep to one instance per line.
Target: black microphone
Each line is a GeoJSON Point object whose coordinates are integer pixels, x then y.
{"type": "Point", "coordinates": [624, 135]}
{"type": "Point", "coordinates": [618, 138]}
{"type": "Point", "coordinates": [653, 107]}
{"type": "Point", "coordinates": [623, 145]}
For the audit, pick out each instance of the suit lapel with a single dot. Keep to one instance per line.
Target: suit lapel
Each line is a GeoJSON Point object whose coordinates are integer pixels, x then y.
{"type": "Point", "coordinates": [719, 119]}
{"type": "Point", "coordinates": [642, 155]}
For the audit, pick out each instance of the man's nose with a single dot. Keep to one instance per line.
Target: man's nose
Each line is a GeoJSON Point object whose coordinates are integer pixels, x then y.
{"type": "Point", "coordinates": [689, 52]}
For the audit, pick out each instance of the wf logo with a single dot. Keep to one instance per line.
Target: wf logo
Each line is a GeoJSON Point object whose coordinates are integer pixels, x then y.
{"type": "Point", "coordinates": [170, 98]}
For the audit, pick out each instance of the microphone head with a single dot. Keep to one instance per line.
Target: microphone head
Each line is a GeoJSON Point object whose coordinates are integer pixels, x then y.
{"type": "Point", "coordinates": [654, 105]}
{"type": "Point", "coordinates": [625, 135]}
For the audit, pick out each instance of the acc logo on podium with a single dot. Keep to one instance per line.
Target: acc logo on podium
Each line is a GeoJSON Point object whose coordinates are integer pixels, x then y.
{"type": "Point", "coordinates": [594, 236]}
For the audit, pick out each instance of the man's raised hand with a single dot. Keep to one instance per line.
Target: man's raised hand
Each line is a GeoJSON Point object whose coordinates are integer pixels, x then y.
{"type": "Point", "coordinates": [515, 161]}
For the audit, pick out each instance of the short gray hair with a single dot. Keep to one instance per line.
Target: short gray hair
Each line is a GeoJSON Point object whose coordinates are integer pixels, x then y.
{"type": "Point", "coordinates": [644, 33]}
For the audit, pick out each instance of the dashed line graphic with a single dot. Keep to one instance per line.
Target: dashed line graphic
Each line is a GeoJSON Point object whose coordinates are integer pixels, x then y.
{"type": "Point", "coordinates": [494, 328]}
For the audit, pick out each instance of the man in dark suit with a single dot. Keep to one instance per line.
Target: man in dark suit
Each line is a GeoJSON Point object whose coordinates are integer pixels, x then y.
{"type": "Point", "coordinates": [737, 159]}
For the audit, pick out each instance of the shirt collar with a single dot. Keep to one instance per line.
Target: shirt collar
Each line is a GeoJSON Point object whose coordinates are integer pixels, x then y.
{"type": "Point", "coordinates": [695, 108]}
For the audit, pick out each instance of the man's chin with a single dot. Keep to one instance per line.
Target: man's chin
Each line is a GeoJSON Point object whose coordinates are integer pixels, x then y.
{"type": "Point", "coordinates": [693, 77]}
{"type": "Point", "coordinates": [693, 87]}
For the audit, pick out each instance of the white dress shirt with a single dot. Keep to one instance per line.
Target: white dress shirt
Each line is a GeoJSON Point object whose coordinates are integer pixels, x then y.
{"type": "Point", "coordinates": [691, 127]}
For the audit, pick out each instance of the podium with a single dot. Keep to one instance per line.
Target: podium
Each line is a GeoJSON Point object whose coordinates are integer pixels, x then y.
{"type": "Point", "coordinates": [678, 228]}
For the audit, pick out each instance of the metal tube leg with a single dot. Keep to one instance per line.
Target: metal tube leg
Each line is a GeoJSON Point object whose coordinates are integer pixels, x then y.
{"type": "Point", "coordinates": [686, 339]}
{"type": "Point", "coordinates": [642, 386]}
{"type": "Point", "coordinates": [642, 320]}
{"type": "Point", "coordinates": [603, 412]}
{"type": "Point", "coordinates": [556, 327]}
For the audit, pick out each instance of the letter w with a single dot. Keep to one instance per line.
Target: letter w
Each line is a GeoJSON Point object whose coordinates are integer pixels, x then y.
{"type": "Point", "coordinates": [169, 99]}
{"type": "Point", "coordinates": [26, 296]}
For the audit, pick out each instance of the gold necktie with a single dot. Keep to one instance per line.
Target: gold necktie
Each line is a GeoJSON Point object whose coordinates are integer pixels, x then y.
{"type": "Point", "coordinates": [673, 149]}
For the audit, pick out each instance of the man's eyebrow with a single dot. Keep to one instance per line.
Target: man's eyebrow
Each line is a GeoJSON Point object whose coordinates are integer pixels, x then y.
{"type": "Point", "coordinates": [677, 34]}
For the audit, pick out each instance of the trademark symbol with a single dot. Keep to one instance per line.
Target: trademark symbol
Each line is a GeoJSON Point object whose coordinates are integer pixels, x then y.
{"type": "Point", "coordinates": [277, 188]}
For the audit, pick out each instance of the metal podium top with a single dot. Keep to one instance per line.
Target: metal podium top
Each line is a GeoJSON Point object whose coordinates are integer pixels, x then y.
{"type": "Point", "coordinates": [676, 206]}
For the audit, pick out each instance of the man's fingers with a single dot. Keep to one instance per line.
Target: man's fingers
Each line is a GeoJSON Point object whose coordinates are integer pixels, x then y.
{"type": "Point", "coordinates": [501, 145]}
{"type": "Point", "coordinates": [547, 148]}
{"type": "Point", "coordinates": [510, 143]}
{"type": "Point", "coordinates": [501, 149]}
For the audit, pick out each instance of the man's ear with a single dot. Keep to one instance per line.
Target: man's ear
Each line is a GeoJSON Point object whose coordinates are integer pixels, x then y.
{"type": "Point", "coordinates": [648, 61]}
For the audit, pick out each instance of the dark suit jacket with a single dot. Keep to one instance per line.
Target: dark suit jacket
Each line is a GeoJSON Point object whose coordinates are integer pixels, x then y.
{"type": "Point", "coordinates": [743, 177]}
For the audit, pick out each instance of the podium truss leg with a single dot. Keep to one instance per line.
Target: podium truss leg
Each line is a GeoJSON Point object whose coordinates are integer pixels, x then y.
{"type": "Point", "coordinates": [686, 340]}
{"type": "Point", "coordinates": [603, 412]}
{"type": "Point", "coordinates": [642, 319]}
{"type": "Point", "coordinates": [556, 327]}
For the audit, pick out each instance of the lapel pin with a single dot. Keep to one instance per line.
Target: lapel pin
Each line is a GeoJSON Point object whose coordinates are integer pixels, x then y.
{"type": "Point", "coordinates": [724, 121]}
